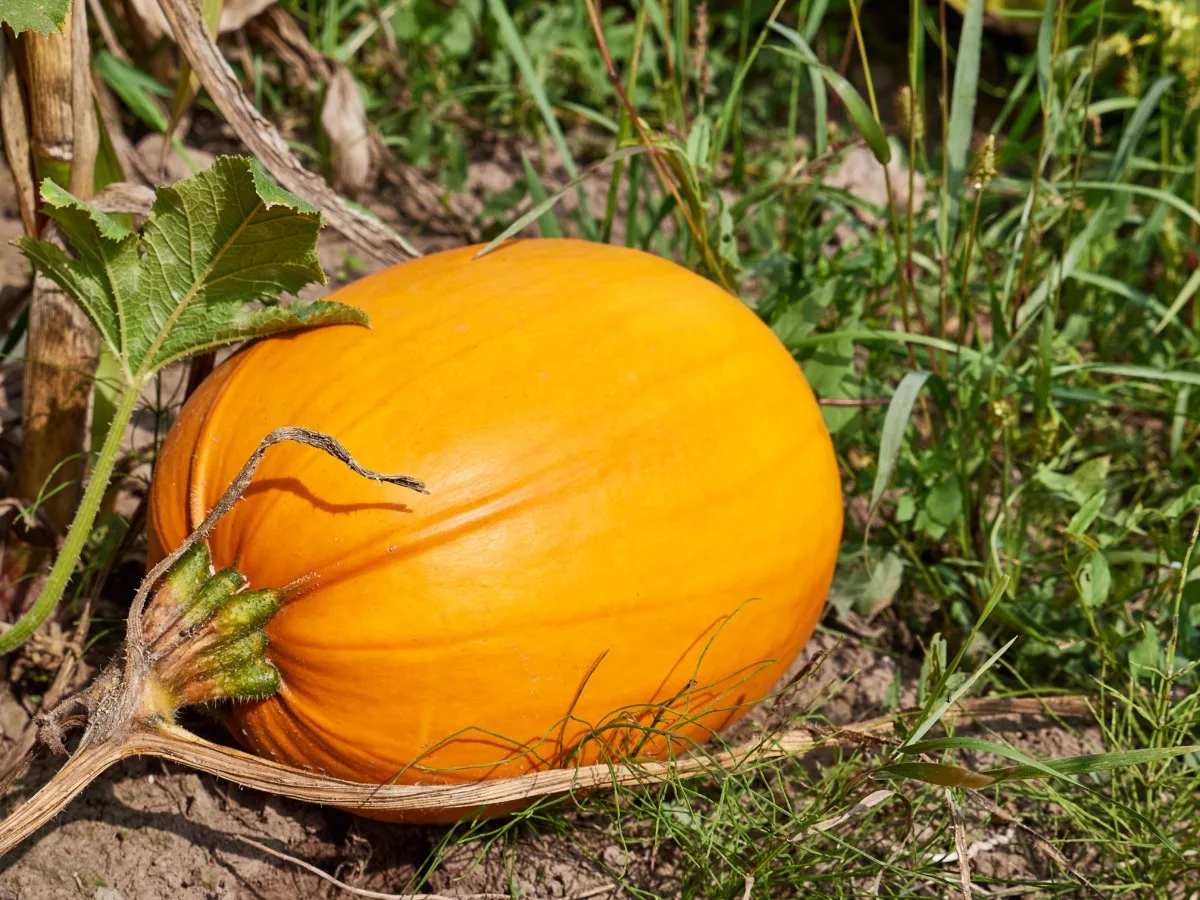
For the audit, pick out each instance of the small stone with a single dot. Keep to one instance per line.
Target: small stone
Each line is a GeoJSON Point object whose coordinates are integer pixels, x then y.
{"type": "Point", "coordinates": [174, 167]}
{"type": "Point", "coordinates": [13, 717]}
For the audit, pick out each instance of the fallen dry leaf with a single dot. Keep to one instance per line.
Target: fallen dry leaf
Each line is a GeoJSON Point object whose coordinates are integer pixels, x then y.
{"type": "Point", "coordinates": [234, 14]}
{"type": "Point", "coordinates": [170, 167]}
{"type": "Point", "coordinates": [344, 119]}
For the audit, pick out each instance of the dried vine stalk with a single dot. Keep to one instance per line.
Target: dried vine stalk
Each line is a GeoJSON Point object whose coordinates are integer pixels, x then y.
{"type": "Point", "coordinates": [195, 616]}
{"type": "Point", "coordinates": [181, 746]}
{"type": "Point", "coordinates": [265, 142]}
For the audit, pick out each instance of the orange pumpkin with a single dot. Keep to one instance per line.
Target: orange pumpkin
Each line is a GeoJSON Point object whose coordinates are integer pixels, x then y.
{"type": "Point", "coordinates": [633, 518]}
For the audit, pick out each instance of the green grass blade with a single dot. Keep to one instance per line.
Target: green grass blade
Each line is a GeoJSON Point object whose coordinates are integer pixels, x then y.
{"type": "Point", "coordinates": [935, 708]}
{"type": "Point", "coordinates": [1098, 226]}
{"type": "Point", "coordinates": [134, 88]}
{"type": "Point", "coordinates": [816, 15]}
{"type": "Point", "coordinates": [625, 126]}
{"type": "Point", "coordinates": [956, 776]}
{"type": "Point", "coordinates": [1140, 373]}
{"type": "Point", "coordinates": [892, 438]}
{"type": "Point", "coordinates": [939, 774]}
{"type": "Point", "coordinates": [1137, 125]}
{"type": "Point", "coordinates": [1061, 769]}
{"type": "Point", "coordinates": [812, 25]}
{"type": "Point", "coordinates": [1185, 294]}
{"type": "Point", "coordinates": [682, 41]}
{"type": "Point", "coordinates": [516, 48]}
{"type": "Point", "coordinates": [632, 211]}
{"type": "Point", "coordinates": [1179, 422]}
{"type": "Point", "coordinates": [730, 107]}
{"type": "Point", "coordinates": [940, 709]}
{"type": "Point", "coordinates": [962, 117]}
{"type": "Point", "coordinates": [591, 115]}
{"type": "Point", "coordinates": [1096, 762]}
{"type": "Point", "coordinates": [548, 221]}
{"type": "Point", "coordinates": [1144, 191]}
{"type": "Point", "coordinates": [1133, 295]}
{"type": "Point", "coordinates": [820, 112]}
{"type": "Point", "coordinates": [1045, 54]}
{"type": "Point", "coordinates": [538, 210]}
{"type": "Point", "coordinates": [937, 745]}
{"type": "Point", "coordinates": [868, 336]}
{"type": "Point", "coordinates": [856, 107]}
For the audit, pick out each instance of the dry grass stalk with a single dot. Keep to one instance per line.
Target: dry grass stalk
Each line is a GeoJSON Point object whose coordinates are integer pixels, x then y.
{"type": "Point", "coordinates": [15, 126]}
{"type": "Point", "coordinates": [344, 119]}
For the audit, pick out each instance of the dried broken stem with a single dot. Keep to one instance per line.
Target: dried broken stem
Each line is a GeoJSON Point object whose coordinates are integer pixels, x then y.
{"type": "Point", "coordinates": [76, 773]}
{"type": "Point", "coordinates": [183, 747]}
{"type": "Point", "coordinates": [265, 142]}
{"type": "Point", "coordinates": [14, 125]}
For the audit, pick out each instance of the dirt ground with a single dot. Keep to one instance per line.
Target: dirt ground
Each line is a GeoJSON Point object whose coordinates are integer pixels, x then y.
{"type": "Point", "coordinates": [147, 830]}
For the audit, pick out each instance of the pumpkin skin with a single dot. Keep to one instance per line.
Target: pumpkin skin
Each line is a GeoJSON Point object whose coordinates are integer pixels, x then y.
{"type": "Point", "coordinates": [624, 465]}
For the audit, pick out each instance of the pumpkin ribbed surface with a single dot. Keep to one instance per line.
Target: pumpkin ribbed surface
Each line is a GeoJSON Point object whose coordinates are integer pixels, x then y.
{"type": "Point", "coordinates": [624, 464]}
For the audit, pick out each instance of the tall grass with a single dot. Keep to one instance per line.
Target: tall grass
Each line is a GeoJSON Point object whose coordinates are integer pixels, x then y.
{"type": "Point", "coordinates": [1029, 476]}
{"type": "Point", "coordinates": [1010, 343]}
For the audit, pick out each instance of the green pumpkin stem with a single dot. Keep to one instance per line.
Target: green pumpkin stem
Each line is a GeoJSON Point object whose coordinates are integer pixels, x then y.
{"type": "Point", "coordinates": [205, 636]}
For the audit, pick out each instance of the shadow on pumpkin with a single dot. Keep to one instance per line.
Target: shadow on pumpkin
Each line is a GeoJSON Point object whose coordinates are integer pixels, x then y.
{"type": "Point", "coordinates": [298, 488]}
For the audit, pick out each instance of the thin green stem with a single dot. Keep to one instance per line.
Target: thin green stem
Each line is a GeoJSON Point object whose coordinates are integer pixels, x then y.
{"type": "Point", "coordinates": [1173, 640]}
{"type": "Point", "coordinates": [1195, 229]}
{"type": "Point", "coordinates": [916, 113]}
{"type": "Point", "coordinates": [81, 528]}
{"type": "Point", "coordinates": [963, 305]}
{"type": "Point", "coordinates": [944, 220]}
{"type": "Point", "coordinates": [1077, 169]}
{"type": "Point", "coordinates": [1027, 250]}
{"type": "Point", "coordinates": [902, 282]}
{"type": "Point", "coordinates": [1051, 309]}
{"type": "Point", "coordinates": [625, 128]}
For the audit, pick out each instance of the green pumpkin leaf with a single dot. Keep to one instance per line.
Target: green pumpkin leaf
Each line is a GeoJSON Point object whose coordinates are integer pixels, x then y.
{"type": "Point", "coordinates": [213, 245]}
{"type": "Point", "coordinates": [42, 16]}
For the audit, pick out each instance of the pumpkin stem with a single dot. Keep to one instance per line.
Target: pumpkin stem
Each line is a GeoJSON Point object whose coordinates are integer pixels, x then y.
{"type": "Point", "coordinates": [204, 639]}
